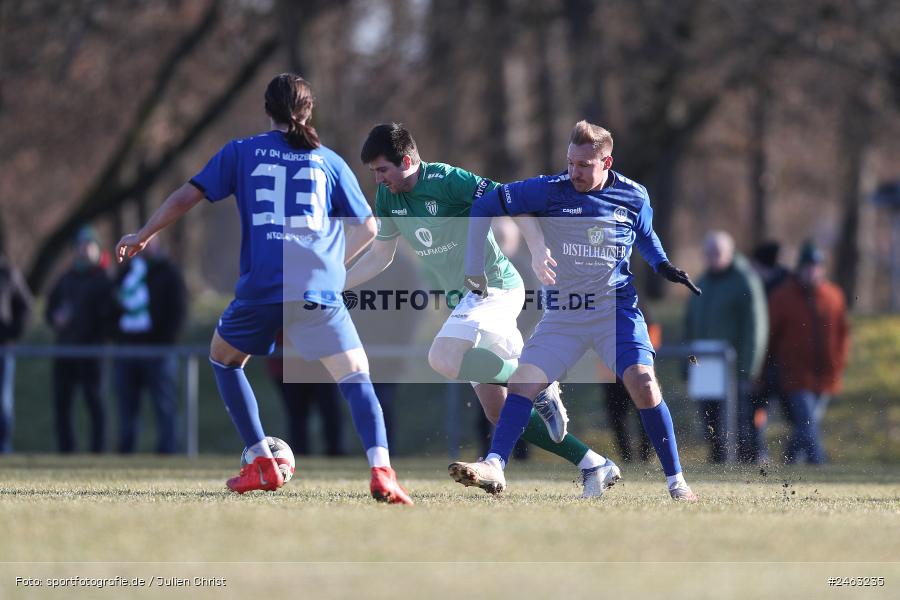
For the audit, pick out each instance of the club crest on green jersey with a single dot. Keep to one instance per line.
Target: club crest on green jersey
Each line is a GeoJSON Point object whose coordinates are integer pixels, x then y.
{"type": "Point", "coordinates": [432, 207]}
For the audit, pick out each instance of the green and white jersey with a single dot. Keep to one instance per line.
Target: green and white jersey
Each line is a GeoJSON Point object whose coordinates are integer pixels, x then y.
{"type": "Point", "coordinates": [433, 218]}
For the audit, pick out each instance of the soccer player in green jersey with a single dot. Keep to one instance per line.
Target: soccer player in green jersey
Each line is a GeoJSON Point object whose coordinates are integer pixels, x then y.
{"type": "Point", "coordinates": [428, 204]}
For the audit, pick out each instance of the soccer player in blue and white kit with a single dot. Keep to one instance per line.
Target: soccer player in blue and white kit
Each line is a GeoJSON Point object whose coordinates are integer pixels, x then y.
{"type": "Point", "coordinates": [592, 217]}
{"type": "Point", "coordinates": [295, 197]}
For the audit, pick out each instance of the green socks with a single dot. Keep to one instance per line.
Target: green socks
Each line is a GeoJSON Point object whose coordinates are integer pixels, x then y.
{"type": "Point", "coordinates": [571, 448]}
{"type": "Point", "coordinates": [483, 366]}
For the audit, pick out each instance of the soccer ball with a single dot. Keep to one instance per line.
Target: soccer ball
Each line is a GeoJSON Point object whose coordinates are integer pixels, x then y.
{"type": "Point", "coordinates": [283, 454]}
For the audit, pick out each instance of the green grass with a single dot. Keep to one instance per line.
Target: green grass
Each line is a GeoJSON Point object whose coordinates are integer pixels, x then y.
{"type": "Point", "coordinates": [118, 512]}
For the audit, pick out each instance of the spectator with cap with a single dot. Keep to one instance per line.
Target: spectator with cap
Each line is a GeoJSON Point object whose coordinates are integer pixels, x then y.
{"type": "Point", "coordinates": [78, 311]}
{"type": "Point", "coordinates": [809, 343]}
{"type": "Point", "coordinates": [732, 309]}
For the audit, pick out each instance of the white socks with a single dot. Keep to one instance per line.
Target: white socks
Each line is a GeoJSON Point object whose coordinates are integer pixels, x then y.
{"type": "Point", "coordinates": [591, 459]}
{"type": "Point", "coordinates": [674, 481]}
{"type": "Point", "coordinates": [259, 449]}
{"type": "Point", "coordinates": [496, 460]}
{"type": "Point", "coordinates": [378, 457]}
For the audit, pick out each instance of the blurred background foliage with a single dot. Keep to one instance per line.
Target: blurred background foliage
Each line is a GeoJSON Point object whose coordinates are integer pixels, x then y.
{"type": "Point", "coordinates": [772, 120]}
{"type": "Point", "coordinates": [769, 119]}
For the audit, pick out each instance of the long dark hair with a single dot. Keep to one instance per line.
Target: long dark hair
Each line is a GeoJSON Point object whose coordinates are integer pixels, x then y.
{"type": "Point", "coordinates": [289, 100]}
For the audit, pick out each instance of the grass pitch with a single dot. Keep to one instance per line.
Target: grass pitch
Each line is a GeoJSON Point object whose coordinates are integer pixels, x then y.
{"type": "Point", "coordinates": [756, 532]}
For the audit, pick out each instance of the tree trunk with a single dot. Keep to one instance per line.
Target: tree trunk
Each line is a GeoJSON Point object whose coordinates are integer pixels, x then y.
{"type": "Point", "coordinates": [499, 159]}
{"type": "Point", "coordinates": [293, 21]}
{"type": "Point", "coordinates": [855, 123]}
{"type": "Point", "coordinates": [446, 55]}
{"type": "Point", "coordinates": [586, 76]}
{"type": "Point", "coordinates": [545, 105]}
{"type": "Point", "coordinates": [758, 159]}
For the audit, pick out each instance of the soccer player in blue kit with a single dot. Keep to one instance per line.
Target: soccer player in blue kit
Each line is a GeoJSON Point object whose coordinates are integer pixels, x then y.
{"type": "Point", "coordinates": [591, 219]}
{"type": "Point", "coordinates": [295, 198]}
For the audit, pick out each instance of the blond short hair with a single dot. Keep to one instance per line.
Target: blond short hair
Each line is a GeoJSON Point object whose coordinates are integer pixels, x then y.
{"type": "Point", "coordinates": [596, 136]}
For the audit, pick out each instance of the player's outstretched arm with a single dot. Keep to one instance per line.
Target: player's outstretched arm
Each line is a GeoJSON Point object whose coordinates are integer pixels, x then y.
{"type": "Point", "coordinates": [483, 211]}
{"type": "Point", "coordinates": [177, 204]}
{"type": "Point", "coordinates": [358, 237]}
{"type": "Point", "coordinates": [676, 275]}
{"type": "Point", "coordinates": [541, 258]}
{"type": "Point", "coordinates": [379, 257]}
{"type": "Point", "coordinates": [650, 247]}
{"type": "Point", "coordinates": [520, 197]}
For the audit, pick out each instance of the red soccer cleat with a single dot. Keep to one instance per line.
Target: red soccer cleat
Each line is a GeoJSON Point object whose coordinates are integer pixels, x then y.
{"type": "Point", "coordinates": [385, 488]}
{"type": "Point", "coordinates": [262, 474]}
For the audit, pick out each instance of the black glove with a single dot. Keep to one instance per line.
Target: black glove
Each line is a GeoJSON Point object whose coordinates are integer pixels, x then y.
{"type": "Point", "coordinates": [478, 284]}
{"type": "Point", "coordinates": [676, 275]}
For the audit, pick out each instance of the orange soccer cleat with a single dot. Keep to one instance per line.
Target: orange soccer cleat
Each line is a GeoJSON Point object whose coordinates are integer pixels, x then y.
{"type": "Point", "coordinates": [262, 474]}
{"type": "Point", "coordinates": [385, 488]}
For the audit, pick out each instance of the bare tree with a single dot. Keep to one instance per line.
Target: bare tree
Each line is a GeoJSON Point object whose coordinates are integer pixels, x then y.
{"type": "Point", "coordinates": [760, 101]}
{"type": "Point", "coordinates": [110, 191]}
{"type": "Point", "coordinates": [856, 122]}
{"type": "Point", "coordinates": [496, 101]}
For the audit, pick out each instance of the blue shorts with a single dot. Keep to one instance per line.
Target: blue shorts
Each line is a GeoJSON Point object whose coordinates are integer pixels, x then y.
{"type": "Point", "coordinates": [620, 341]}
{"type": "Point", "coordinates": [315, 331]}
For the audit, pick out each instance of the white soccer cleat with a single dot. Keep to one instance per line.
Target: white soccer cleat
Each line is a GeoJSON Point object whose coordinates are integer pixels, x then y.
{"type": "Point", "coordinates": [551, 410]}
{"type": "Point", "coordinates": [483, 474]}
{"type": "Point", "coordinates": [682, 493]}
{"type": "Point", "coordinates": [597, 480]}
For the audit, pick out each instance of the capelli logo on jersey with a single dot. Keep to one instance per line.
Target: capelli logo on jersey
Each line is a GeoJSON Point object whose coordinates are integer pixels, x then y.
{"type": "Point", "coordinates": [432, 208]}
{"type": "Point", "coordinates": [400, 212]}
{"type": "Point", "coordinates": [507, 195]}
{"type": "Point", "coordinates": [434, 176]}
{"type": "Point", "coordinates": [424, 236]}
{"type": "Point", "coordinates": [573, 211]}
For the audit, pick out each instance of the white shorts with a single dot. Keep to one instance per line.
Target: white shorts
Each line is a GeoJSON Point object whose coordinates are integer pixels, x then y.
{"type": "Point", "coordinates": [489, 323]}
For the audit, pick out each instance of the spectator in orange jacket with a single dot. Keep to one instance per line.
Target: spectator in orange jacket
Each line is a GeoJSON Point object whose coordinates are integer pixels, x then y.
{"type": "Point", "coordinates": [809, 343]}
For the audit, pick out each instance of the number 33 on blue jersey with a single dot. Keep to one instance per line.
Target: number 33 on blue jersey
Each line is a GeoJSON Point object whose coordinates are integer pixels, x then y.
{"type": "Point", "coordinates": [312, 203]}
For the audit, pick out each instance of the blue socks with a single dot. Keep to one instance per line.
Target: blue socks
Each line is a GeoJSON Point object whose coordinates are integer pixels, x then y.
{"type": "Point", "coordinates": [513, 421]}
{"type": "Point", "coordinates": [658, 425]}
{"type": "Point", "coordinates": [365, 409]}
{"type": "Point", "coordinates": [244, 411]}
{"type": "Point", "coordinates": [239, 401]}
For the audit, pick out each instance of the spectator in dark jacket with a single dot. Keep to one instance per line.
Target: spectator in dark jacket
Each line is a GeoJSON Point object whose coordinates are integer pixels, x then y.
{"type": "Point", "coordinates": [15, 306]}
{"type": "Point", "coordinates": [770, 270]}
{"type": "Point", "coordinates": [152, 304]}
{"type": "Point", "coordinates": [809, 343]}
{"type": "Point", "coordinates": [773, 274]}
{"type": "Point", "coordinates": [732, 308]}
{"type": "Point", "coordinates": [78, 310]}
